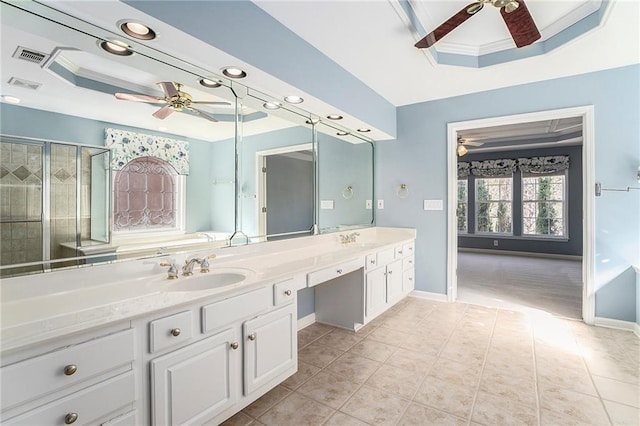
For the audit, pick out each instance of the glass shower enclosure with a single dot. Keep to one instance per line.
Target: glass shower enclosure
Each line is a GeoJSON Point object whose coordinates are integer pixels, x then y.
{"type": "Point", "coordinates": [54, 203]}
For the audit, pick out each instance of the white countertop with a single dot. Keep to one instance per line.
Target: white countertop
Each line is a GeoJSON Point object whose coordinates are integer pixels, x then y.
{"type": "Point", "coordinates": [37, 308]}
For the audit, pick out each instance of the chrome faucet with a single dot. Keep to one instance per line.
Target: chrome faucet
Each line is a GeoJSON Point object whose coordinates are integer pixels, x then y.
{"type": "Point", "coordinates": [352, 236]}
{"type": "Point", "coordinates": [187, 269]}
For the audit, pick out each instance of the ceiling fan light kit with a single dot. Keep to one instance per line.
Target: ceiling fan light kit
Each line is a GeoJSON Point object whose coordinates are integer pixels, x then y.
{"type": "Point", "coordinates": [515, 14]}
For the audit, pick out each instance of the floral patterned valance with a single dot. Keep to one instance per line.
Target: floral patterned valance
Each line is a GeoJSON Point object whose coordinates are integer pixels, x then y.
{"type": "Point", "coordinates": [129, 145]}
{"type": "Point", "coordinates": [493, 168]}
{"type": "Point", "coordinates": [543, 165]}
{"type": "Point", "coordinates": [464, 169]}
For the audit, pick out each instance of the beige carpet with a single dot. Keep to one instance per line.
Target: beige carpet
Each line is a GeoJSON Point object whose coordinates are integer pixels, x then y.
{"type": "Point", "coordinates": [521, 283]}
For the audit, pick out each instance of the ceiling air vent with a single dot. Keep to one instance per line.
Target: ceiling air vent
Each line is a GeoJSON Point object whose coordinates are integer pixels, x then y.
{"type": "Point", "coordinates": [30, 55]}
{"type": "Point", "coordinates": [26, 84]}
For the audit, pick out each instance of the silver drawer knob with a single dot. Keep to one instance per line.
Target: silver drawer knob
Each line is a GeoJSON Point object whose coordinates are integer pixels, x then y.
{"type": "Point", "coordinates": [390, 272]}
{"type": "Point", "coordinates": [373, 262]}
{"type": "Point", "coordinates": [252, 336]}
{"type": "Point", "coordinates": [70, 370]}
{"type": "Point", "coordinates": [176, 332]}
{"type": "Point", "coordinates": [399, 251]}
{"type": "Point", "coordinates": [70, 418]}
{"type": "Point", "coordinates": [287, 292]}
{"type": "Point", "coordinates": [339, 271]}
{"type": "Point", "coordinates": [234, 345]}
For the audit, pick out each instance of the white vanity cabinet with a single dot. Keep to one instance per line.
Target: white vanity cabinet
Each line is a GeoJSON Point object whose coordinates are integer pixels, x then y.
{"type": "Point", "coordinates": [81, 382]}
{"type": "Point", "coordinates": [246, 346]}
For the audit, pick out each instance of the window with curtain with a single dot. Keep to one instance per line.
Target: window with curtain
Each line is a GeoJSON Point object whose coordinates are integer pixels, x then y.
{"type": "Point", "coordinates": [494, 196]}
{"type": "Point", "coordinates": [463, 204]}
{"type": "Point", "coordinates": [544, 204]}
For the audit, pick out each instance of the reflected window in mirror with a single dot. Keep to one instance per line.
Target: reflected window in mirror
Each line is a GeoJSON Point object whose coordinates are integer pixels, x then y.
{"type": "Point", "coordinates": [147, 196]}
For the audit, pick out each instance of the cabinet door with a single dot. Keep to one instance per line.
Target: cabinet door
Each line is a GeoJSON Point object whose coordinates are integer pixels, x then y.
{"type": "Point", "coordinates": [376, 292]}
{"type": "Point", "coordinates": [270, 347]}
{"type": "Point", "coordinates": [193, 384]}
{"type": "Point", "coordinates": [394, 281]}
{"type": "Point", "coordinates": [408, 283]}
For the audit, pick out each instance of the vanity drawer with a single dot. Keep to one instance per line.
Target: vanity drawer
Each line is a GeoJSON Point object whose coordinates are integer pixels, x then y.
{"type": "Point", "coordinates": [371, 261]}
{"type": "Point", "coordinates": [408, 249]}
{"type": "Point", "coordinates": [88, 405]}
{"type": "Point", "coordinates": [36, 377]}
{"type": "Point", "coordinates": [236, 308]}
{"type": "Point", "coordinates": [286, 291]}
{"type": "Point", "coordinates": [408, 262]}
{"type": "Point", "coordinates": [326, 274]}
{"type": "Point", "coordinates": [170, 331]}
{"type": "Point", "coordinates": [386, 256]}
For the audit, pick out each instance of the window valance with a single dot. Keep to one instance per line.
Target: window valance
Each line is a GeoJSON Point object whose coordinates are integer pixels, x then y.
{"type": "Point", "coordinates": [544, 165]}
{"type": "Point", "coordinates": [493, 168]}
{"type": "Point", "coordinates": [126, 146]}
{"type": "Point", "coordinates": [464, 169]}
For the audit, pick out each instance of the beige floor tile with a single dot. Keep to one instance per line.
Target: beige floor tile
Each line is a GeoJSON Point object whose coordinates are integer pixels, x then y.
{"type": "Point", "coordinates": [622, 414]}
{"type": "Point", "coordinates": [624, 370]}
{"type": "Point", "coordinates": [419, 415]}
{"type": "Point", "coordinates": [613, 390]}
{"type": "Point", "coordinates": [239, 419]}
{"type": "Point", "coordinates": [573, 404]}
{"type": "Point", "coordinates": [328, 388]}
{"type": "Point", "coordinates": [456, 372]}
{"type": "Point", "coordinates": [454, 398]}
{"type": "Point", "coordinates": [340, 339]}
{"type": "Point", "coordinates": [366, 330]}
{"type": "Point", "coordinates": [354, 367]}
{"type": "Point", "coordinates": [372, 349]}
{"type": "Point", "coordinates": [573, 379]}
{"type": "Point", "coordinates": [375, 407]}
{"type": "Point", "coordinates": [318, 355]}
{"type": "Point", "coordinates": [304, 373]}
{"type": "Point", "coordinates": [296, 410]}
{"type": "Point", "coordinates": [266, 401]}
{"type": "Point", "coordinates": [504, 385]}
{"type": "Point", "coordinates": [418, 362]}
{"type": "Point", "coordinates": [387, 336]}
{"type": "Point", "coordinates": [492, 410]}
{"type": "Point", "coordinates": [465, 354]}
{"type": "Point", "coordinates": [396, 380]}
{"type": "Point", "coordinates": [341, 419]}
{"type": "Point", "coordinates": [551, 418]}
{"type": "Point", "coordinates": [419, 343]}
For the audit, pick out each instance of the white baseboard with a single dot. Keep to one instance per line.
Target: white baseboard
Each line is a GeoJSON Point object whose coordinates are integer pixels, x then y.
{"type": "Point", "coordinates": [520, 253]}
{"type": "Point", "coordinates": [439, 297]}
{"type": "Point", "coordinates": [618, 324]}
{"type": "Point", "coordinates": [306, 321]}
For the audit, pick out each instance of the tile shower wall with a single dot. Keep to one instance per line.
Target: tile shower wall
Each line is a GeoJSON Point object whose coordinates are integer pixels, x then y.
{"type": "Point", "coordinates": [20, 203]}
{"type": "Point", "coordinates": [63, 197]}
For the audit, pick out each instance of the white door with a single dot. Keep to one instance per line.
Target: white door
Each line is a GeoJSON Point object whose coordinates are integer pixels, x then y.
{"type": "Point", "coordinates": [270, 346]}
{"type": "Point", "coordinates": [195, 383]}
{"type": "Point", "coordinates": [394, 281]}
{"type": "Point", "coordinates": [376, 290]}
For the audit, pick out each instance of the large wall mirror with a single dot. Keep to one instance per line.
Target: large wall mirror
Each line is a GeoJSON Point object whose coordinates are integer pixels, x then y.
{"type": "Point", "coordinates": [71, 140]}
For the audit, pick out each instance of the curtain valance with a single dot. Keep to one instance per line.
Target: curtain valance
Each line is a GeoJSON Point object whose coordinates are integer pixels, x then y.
{"type": "Point", "coordinates": [464, 169]}
{"type": "Point", "coordinates": [493, 168]}
{"type": "Point", "coordinates": [544, 165]}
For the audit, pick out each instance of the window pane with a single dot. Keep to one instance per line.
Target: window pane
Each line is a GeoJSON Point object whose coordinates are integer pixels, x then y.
{"type": "Point", "coordinates": [543, 205]}
{"type": "Point", "coordinates": [493, 205]}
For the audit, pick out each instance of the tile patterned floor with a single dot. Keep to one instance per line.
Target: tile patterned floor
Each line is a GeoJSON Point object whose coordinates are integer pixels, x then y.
{"type": "Point", "coordinates": [431, 363]}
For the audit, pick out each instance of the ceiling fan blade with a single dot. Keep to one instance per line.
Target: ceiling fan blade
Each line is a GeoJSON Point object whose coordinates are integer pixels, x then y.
{"type": "Point", "coordinates": [472, 143]}
{"type": "Point", "coordinates": [521, 25]}
{"type": "Point", "coordinates": [163, 112]}
{"type": "Point", "coordinates": [137, 97]}
{"type": "Point", "coordinates": [170, 90]}
{"type": "Point", "coordinates": [210, 103]}
{"type": "Point", "coordinates": [203, 115]}
{"type": "Point", "coordinates": [444, 29]}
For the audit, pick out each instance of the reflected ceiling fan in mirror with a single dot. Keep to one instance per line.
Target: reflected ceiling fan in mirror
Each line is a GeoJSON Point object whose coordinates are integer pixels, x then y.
{"type": "Point", "coordinates": [175, 100]}
{"type": "Point", "coordinates": [514, 13]}
{"type": "Point", "coordinates": [461, 149]}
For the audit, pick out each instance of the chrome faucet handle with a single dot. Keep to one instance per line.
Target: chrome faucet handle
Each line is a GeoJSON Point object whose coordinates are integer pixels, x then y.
{"type": "Point", "coordinates": [344, 239]}
{"type": "Point", "coordinates": [172, 272]}
{"type": "Point", "coordinates": [204, 263]}
{"type": "Point", "coordinates": [187, 269]}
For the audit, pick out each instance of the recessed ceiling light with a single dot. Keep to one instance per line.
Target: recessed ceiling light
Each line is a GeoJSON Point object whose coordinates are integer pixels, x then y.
{"type": "Point", "coordinates": [11, 99]}
{"type": "Point", "coordinates": [293, 99]}
{"type": "Point", "coordinates": [271, 105]}
{"type": "Point", "coordinates": [314, 121]}
{"type": "Point", "coordinates": [362, 130]}
{"type": "Point", "coordinates": [209, 83]}
{"type": "Point", "coordinates": [234, 72]}
{"type": "Point", "coordinates": [137, 30]}
{"type": "Point", "coordinates": [115, 48]}
{"type": "Point", "coordinates": [334, 117]}
{"type": "Point", "coordinates": [342, 133]}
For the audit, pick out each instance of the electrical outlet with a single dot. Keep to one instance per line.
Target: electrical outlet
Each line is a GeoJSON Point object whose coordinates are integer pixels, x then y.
{"type": "Point", "coordinates": [368, 204]}
{"type": "Point", "coordinates": [380, 204]}
{"type": "Point", "coordinates": [495, 243]}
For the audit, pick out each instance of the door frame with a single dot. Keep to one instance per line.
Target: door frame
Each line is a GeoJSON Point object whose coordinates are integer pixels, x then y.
{"type": "Point", "coordinates": [261, 181]}
{"type": "Point", "coordinates": [588, 195]}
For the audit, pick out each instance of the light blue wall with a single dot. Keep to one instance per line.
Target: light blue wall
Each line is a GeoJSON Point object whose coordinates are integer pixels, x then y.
{"type": "Point", "coordinates": [418, 157]}
{"type": "Point", "coordinates": [33, 123]}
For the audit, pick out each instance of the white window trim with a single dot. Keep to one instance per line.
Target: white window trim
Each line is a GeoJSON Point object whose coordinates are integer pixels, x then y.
{"type": "Point", "coordinates": [565, 206]}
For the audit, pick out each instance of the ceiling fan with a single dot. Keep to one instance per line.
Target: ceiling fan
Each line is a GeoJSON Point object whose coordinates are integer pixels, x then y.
{"type": "Point", "coordinates": [514, 13]}
{"type": "Point", "coordinates": [175, 98]}
{"type": "Point", "coordinates": [461, 149]}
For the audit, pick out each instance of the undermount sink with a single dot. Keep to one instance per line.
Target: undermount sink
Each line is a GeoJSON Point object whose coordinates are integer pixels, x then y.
{"type": "Point", "coordinates": [207, 281]}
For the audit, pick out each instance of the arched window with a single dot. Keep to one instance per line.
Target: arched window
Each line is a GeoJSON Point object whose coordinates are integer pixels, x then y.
{"type": "Point", "coordinates": [147, 196]}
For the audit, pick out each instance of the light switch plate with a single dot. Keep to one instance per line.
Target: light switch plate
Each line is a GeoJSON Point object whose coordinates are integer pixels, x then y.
{"type": "Point", "coordinates": [433, 204]}
{"type": "Point", "coordinates": [368, 204]}
{"type": "Point", "coordinates": [380, 204]}
{"type": "Point", "coordinates": [326, 204]}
